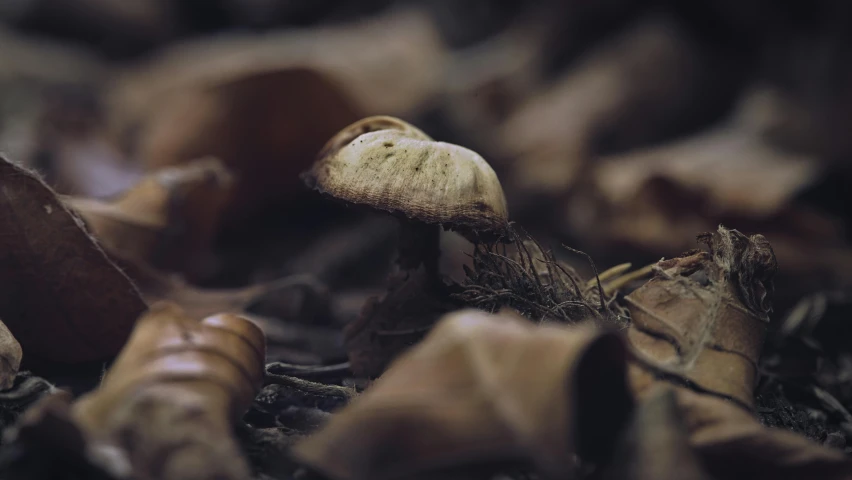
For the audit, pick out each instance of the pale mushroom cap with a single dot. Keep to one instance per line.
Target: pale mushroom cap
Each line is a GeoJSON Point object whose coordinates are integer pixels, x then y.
{"type": "Point", "coordinates": [401, 170]}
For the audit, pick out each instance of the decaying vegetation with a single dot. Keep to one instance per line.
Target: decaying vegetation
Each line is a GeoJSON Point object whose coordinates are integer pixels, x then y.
{"type": "Point", "coordinates": [387, 240]}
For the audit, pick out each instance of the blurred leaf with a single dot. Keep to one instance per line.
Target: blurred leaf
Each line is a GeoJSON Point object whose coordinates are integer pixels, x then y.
{"type": "Point", "coordinates": [169, 400]}
{"type": "Point", "coordinates": [655, 444]}
{"type": "Point", "coordinates": [633, 89]}
{"type": "Point", "coordinates": [266, 105]}
{"type": "Point", "coordinates": [168, 219]}
{"type": "Point", "coordinates": [480, 388]}
{"type": "Point", "coordinates": [165, 408]}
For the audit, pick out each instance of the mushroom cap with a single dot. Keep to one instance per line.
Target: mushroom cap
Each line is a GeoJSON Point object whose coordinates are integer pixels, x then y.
{"type": "Point", "coordinates": [387, 164]}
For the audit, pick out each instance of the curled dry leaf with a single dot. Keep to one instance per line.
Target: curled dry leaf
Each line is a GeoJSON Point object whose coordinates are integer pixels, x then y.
{"type": "Point", "coordinates": [10, 357]}
{"type": "Point", "coordinates": [733, 445]}
{"type": "Point", "coordinates": [703, 316]}
{"type": "Point", "coordinates": [655, 199]}
{"type": "Point", "coordinates": [480, 388]}
{"type": "Point", "coordinates": [168, 219]}
{"type": "Point", "coordinates": [620, 95]}
{"type": "Point", "coordinates": [699, 323]}
{"type": "Point", "coordinates": [266, 105]}
{"type": "Point", "coordinates": [654, 446]}
{"type": "Point", "coordinates": [57, 279]}
{"type": "Point", "coordinates": [168, 403]}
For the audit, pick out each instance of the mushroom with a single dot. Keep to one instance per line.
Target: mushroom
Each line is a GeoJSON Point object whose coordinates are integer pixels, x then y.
{"type": "Point", "coordinates": [387, 164]}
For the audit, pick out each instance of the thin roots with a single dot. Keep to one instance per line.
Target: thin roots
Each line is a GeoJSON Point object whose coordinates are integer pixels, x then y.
{"type": "Point", "coordinates": [528, 278]}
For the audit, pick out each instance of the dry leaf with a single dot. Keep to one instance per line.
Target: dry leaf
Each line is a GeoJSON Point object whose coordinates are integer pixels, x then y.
{"type": "Point", "coordinates": [199, 302]}
{"type": "Point", "coordinates": [266, 105]}
{"type": "Point", "coordinates": [10, 357]}
{"type": "Point", "coordinates": [57, 279]}
{"type": "Point", "coordinates": [733, 445]}
{"type": "Point", "coordinates": [703, 316]}
{"type": "Point", "coordinates": [654, 446]}
{"type": "Point", "coordinates": [480, 388]}
{"type": "Point", "coordinates": [166, 407]}
{"type": "Point", "coordinates": [699, 323]}
{"type": "Point", "coordinates": [655, 199]}
{"type": "Point", "coordinates": [620, 95]}
{"type": "Point", "coordinates": [168, 219]}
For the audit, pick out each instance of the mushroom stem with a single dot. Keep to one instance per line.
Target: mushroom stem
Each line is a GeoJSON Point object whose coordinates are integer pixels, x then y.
{"type": "Point", "coordinates": [419, 244]}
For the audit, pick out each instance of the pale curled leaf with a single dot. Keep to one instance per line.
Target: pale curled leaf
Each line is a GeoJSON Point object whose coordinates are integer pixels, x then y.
{"type": "Point", "coordinates": [10, 357]}
{"type": "Point", "coordinates": [480, 388]}
{"type": "Point", "coordinates": [57, 279]}
{"type": "Point", "coordinates": [167, 219]}
{"type": "Point", "coordinates": [169, 401]}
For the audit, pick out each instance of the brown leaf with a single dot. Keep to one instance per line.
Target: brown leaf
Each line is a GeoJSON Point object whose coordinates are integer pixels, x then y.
{"type": "Point", "coordinates": [57, 279]}
{"type": "Point", "coordinates": [699, 324]}
{"type": "Point", "coordinates": [620, 95]}
{"type": "Point", "coordinates": [702, 317]}
{"type": "Point", "coordinates": [480, 388]}
{"type": "Point", "coordinates": [169, 401]}
{"type": "Point", "coordinates": [655, 199]}
{"type": "Point", "coordinates": [266, 105]}
{"type": "Point", "coordinates": [655, 444]}
{"type": "Point", "coordinates": [733, 445]}
{"type": "Point", "coordinates": [168, 219]}
{"type": "Point", "coordinates": [200, 302]}
{"type": "Point", "coordinates": [10, 357]}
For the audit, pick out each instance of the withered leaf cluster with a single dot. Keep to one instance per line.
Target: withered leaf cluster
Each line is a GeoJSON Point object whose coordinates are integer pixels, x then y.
{"type": "Point", "coordinates": [299, 248]}
{"type": "Point", "coordinates": [482, 387]}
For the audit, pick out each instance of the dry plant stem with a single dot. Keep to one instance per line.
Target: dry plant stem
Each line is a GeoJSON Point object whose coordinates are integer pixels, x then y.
{"type": "Point", "coordinates": [610, 273]}
{"type": "Point", "coordinates": [307, 386]}
{"type": "Point", "coordinates": [169, 401]}
{"type": "Point", "coordinates": [616, 284]}
{"type": "Point", "coordinates": [308, 371]}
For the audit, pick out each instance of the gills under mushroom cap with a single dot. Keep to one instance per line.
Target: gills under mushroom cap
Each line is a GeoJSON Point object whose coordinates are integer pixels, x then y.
{"type": "Point", "coordinates": [387, 164]}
